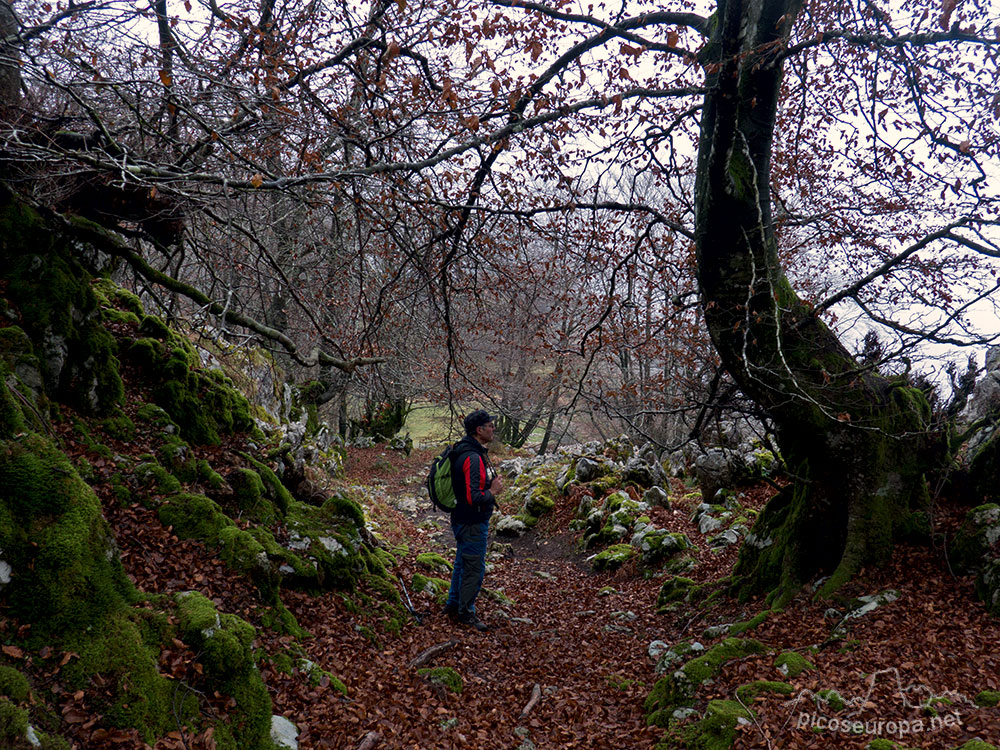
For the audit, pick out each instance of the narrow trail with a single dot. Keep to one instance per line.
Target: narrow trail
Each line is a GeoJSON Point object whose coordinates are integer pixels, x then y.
{"type": "Point", "coordinates": [580, 637]}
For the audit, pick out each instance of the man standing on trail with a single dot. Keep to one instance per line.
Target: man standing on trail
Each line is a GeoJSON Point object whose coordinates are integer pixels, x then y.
{"type": "Point", "coordinates": [475, 494]}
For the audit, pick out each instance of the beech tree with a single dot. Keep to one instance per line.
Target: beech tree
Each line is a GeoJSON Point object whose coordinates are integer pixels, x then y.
{"type": "Point", "coordinates": [804, 172]}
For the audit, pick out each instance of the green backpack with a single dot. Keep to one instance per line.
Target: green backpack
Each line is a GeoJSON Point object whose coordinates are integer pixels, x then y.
{"type": "Point", "coordinates": [439, 485]}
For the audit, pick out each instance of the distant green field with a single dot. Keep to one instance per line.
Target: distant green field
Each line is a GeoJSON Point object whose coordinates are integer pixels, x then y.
{"type": "Point", "coordinates": [428, 425]}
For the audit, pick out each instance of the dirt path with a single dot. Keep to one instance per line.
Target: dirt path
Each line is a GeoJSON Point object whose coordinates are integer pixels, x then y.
{"type": "Point", "coordinates": [551, 626]}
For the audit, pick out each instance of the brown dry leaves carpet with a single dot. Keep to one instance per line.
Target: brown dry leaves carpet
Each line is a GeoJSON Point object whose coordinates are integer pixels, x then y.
{"type": "Point", "coordinates": [584, 649]}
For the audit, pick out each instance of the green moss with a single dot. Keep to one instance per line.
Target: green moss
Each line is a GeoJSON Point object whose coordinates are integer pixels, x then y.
{"type": "Point", "coordinates": [679, 687]}
{"type": "Point", "coordinates": [275, 491]}
{"type": "Point", "coordinates": [343, 506]}
{"type": "Point", "coordinates": [792, 664]}
{"type": "Point", "coordinates": [194, 517]}
{"type": "Point", "coordinates": [156, 416]}
{"type": "Point", "coordinates": [13, 685]}
{"type": "Point", "coordinates": [976, 745]}
{"type": "Point", "coordinates": [12, 420]}
{"type": "Point", "coordinates": [435, 587]}
{"type": "Point", "coordinates": [13, 722]}
{"type": "Point", "coordinates": [445, 676]}
{"type": "Point", "coordinates": [707, 665]}
{"type": "Point", "coordinates": [208, 476]}
{"type": "Point", "coordinates": [971, 545]}
{"type": "Point", "coordinates": [110, 293]}
{"type": "Point", "coordinates": [154, 327]}
{"type": "Point", "coordinates": [157, 479]}
{"type": "Point", "coordinates": [741, 627]}
{"type": "Point", "coordinates": [717, 729]}
{"type": "Point", "coordinates": [200, 405]}
{"type": "Point", "coordinates": [119, 426]}
{"type": "Point", "coordinates": [659, 544]}
{"type": "Point", "coordinates": [58, 308]}
{"type": "Point", "coordinates": [747, 693]}
{"type": "Point", "coordinates": [280, 620]}
{"type": "Point", "coordinates": [248, 493]}
{"type": "Point", "coordinates": [988, 698]}
{"type": "Point", "coordinates": [613, 557]}
{"type": "Point", "coordinates": [675, 590]}
{"type": "Point", "coordinates": [140, 696]}
{"type": "Point", "coordinates": [51, 524]}
{"type": "Point", "coordinates": [542, 496]}
{"type": "Point", "coordinates": [831, 698]}
{"type": "Point", "coordinates": [433, 562]}
{"type": "Point", "coordinates": [240, 550]}
{"type": "Point", "coordinates": [224, 645]}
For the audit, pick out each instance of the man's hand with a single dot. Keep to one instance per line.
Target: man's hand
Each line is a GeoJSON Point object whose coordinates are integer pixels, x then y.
{"type": "Point", "coordinates": [496, 486]}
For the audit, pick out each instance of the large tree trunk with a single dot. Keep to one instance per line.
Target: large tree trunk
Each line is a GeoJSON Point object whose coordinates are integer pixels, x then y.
{"type": "Point", "coordinates": [10, 70]}
{"type": "Point", "coordinates": [851, 438]}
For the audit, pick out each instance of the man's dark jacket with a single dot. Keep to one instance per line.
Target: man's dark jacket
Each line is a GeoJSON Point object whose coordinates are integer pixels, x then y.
{"type": "Point", "coordinates": [471, 479]}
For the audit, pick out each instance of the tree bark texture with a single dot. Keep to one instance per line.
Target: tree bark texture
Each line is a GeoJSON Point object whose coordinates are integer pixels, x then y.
{"type": "Point", "coordinates": [10, 63]}
{"type": "Point", "coordinates": [851, 438]}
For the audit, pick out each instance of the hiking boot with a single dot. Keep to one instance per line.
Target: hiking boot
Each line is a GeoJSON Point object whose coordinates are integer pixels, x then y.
{"type": "Point", "coordinates": [469, 618]}
{"type": "Point", "coordinates": [451, 610]}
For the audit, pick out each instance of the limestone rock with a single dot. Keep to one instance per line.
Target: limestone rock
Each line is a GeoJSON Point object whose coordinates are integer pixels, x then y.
{"type": "Point", "coordinates": [284, 734]}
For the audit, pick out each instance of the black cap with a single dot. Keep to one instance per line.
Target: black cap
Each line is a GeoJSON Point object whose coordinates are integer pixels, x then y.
{"type": "Point", "coordinates": [476, 419]}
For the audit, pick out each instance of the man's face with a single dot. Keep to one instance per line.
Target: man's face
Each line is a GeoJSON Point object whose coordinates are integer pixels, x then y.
{"type": "Point", "coordinates": [485, 432]}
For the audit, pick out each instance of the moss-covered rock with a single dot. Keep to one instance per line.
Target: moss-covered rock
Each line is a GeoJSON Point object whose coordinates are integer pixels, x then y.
{"type": "Point", "coordinates": [13, 723]}
{"type": "Point", "coordinates": [118, 426]}
{"type": "Point", "coordinates": [194, 517]}
{"type": "Point", "coordinates": [274, 489]}
{"type": "Point", "coordinates": [65, 574]}
{"type": "Point", "coordinates": [977, 539]}
{"type": "Point", "coordinates": [717, 729]}
{"type": "Point", "coordinates": [13, 685]}
{"type": "Point", "coordinates": [976, 744]}
{"type": "Point", "coordinates": [203, 407]}
{"type": "Point", "coordinates": [792, 664]}
{"type": "Point", "coordinates": [436, 588]}
{"type": "Point", "coordinates": [433, 562]}
{"type": "Point", "coordinates": [157, 480]}
{"type": "Point", "coordinates": [657, 545]}
{"type": "Point", "coordinates": [123, 650]}
{"type": "Point", "coordinates": [52, 294]}
{"type": "Point", "coordinates": [224, 644]}
{"type": "Point", "coordinates": [679, 687]}
{"type": "Point", "coordinates": [12, 421]}
{"type": "Point", "coordinates": [444, 676]}
{"type": "Point", "coordinates": [676, 591]}
{"type": "Point", "coordinates": [248, 494]}
{"type": "Point", "coordinates": [984, 467]}
{"type": "Point", "coordinates": [613, 557]}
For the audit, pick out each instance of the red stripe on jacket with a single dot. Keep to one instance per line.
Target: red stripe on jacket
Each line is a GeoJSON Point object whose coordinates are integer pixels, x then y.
{"type": "Point", "coordinates": [467, 471]}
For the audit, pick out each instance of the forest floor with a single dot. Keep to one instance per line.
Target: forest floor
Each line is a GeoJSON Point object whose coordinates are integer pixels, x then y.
{"type": "Point", "coordinates": [565, 663]}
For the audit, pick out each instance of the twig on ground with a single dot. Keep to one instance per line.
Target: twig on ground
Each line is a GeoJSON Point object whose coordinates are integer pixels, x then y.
{"type": "Point", "coordinates": [536, 694]}
{"type": "Point", "coordinates": [428, 654]}
{"type": "Point", "coordinates": [370, 741]}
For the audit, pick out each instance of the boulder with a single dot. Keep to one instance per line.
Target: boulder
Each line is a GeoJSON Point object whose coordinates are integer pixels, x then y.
{"type": "Point", "coordinates": [977, 540]}
{"type": "Point", "coordinates": [587, 470]}
{"type": "Point", "coordinates": [510, 526]}
{"type": "Point", "coordinates": [638, 472]}
{"type": "Point", "coordinates": [719, 469]}
{"type": "Point", "coordinates": [656, 497]}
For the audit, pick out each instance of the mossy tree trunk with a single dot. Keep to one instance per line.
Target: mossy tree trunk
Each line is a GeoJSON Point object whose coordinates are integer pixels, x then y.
{"type": "Point", "coordinates": [10, 71]}
{"type": "Point", "coordinates": [851, 438]}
